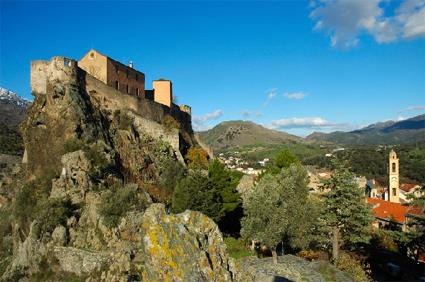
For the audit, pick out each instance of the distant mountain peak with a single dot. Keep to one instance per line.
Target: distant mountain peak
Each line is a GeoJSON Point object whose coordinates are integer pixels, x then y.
{"type": "Point", "coordinates": [388, 132]}
{"type": "Point", "coordinates": [12, 97]}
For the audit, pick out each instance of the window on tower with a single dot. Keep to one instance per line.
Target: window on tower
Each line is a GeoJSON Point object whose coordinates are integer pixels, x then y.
{"type": "Point", "coordinates": [394, 191]}
{"type": "Point", "coordinates": [393, 167]}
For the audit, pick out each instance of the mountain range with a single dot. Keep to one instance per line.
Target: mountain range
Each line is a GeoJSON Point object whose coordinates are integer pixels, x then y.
{"type": "Point", "coordinates": [389, 132]}
{"type": "Point", "coordinates": [229, 134]}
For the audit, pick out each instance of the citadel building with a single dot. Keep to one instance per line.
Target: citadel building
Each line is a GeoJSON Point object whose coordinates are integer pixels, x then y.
{"type": "Point", "coordinates": [126, 79]}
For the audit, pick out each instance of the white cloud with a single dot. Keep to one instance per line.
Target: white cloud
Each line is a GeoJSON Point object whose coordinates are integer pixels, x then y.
{"type": "Point", "coordinates": [271, 94]}
{"type": "Point", "coordinates": [400, 118]}
{"type": "Point", "coordinates": [413, 108]}
{"type": "Point", "coordinates": [346, 20]}
{"type": "Point", "coordinates": [295, 95]}
{"type": "Point", "coordinates": [200, 122]}
{"type": "Point", "coordinates": [308, 122]}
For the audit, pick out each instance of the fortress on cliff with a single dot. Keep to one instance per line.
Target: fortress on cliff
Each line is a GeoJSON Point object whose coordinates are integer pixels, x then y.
{"type": "Point", "coordinates": [111, 87]}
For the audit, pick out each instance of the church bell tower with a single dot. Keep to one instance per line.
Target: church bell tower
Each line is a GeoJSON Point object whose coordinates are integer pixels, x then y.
{"type": "Point", "coordinates": [394, 180]}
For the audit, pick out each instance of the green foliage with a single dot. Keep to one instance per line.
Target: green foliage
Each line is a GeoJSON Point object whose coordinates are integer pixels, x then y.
{"type": "Point", "coordinates": [272, 206]}
{"type": "Point", "coordinates": [196, 158]}
{"type": "Point", "coordinates": [226, 182]}
{"type": "Point", "coordinates": [236, 248]}
{"type": "Point", "coordinates": [345, 208]}
{"type": "Point", "coordinates": [171, 172]}
{"type": "Point", "coordinates": [53, 212]}
{"type": "Point", "coordinates": [197, 192]}
{"type": "Point", "coordinates": [353, 267]}
{"type": "Point", "coordinates": [417, 225]}
{"type": "Point", "coordinates": [10, 141]}
{"type": "Point", "coordinates": [29, 197]}
{"type": "Point", "coordinates": [372, 161]}
{"type": "Point", "coordinates": [284, 159]}
{"type": "Point", "coordinates": [73, 144]}
{"type": "Point", "coordinates": [32, 202]}
{"type": "Point", "coordinates": [170, 123]}
{"type": "Point", "coordinates": [116, 201]}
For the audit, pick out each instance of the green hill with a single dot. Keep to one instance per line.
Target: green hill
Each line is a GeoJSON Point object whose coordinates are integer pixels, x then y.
{"type": "Point", "coordinates": [230, 134]}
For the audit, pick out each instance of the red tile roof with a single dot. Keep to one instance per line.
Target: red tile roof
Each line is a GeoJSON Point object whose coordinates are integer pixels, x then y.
{"type": "Point", "coordinates": [392, 211]}
{"type": "Point", "coordinates": [408, 186]}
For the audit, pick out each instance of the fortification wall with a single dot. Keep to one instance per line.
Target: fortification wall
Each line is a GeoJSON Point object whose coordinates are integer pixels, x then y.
{"type": "Point", "coordinates": [47, 76]}
{"type": "Point", "coordinates": [45, 73]}
{"type": "Point", "coordinates": [115, 100]}
{"type": "Point", "coordinates": [148, 114]}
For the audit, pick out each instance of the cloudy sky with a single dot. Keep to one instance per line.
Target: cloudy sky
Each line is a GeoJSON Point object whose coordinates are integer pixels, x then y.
{"type": "Point", "coordinates": [297, 66]}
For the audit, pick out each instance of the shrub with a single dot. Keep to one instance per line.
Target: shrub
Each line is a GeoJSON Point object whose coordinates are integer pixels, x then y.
{"type": "Point", "coordinates": [309, 254]}
{"type": "Point", "coordinates": [236, 248]}
{"type": "Point", "coordinates": [124, 120]}
{"type": "Point", "coordinates": [73, 144]}
{"type": "Point", "coordinates": [171, 172]}
{"type": "Point", "coordinates": [170, 123]}
{"type": "Point", "coordinates": [119, 200]}
{"type": "Point", "coordinates": [53, 212]}
{"type": "Point", "coordinates": [197, 158]}
{"type": "Point", "coordinates": [353, 267]}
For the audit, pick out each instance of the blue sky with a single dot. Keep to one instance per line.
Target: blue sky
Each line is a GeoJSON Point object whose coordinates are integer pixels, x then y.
{"type": "Point", "coordinates": [296, 66]}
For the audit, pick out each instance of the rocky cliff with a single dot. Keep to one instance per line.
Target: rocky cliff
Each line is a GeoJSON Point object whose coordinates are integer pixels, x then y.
{"type": "Point", "coordinates": [82, 206]}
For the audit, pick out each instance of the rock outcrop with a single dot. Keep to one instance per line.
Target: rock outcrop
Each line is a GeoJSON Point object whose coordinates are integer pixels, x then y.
{"type": "Point", "coordinates": [84, 140]}
{"type": "Point", "coordinates": [291, 268]}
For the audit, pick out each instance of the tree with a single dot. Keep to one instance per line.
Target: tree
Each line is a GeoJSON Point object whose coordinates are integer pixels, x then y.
{"type": "Point", "coordinates": [345, 211]}
{"type": "Point", "coordinates": [226, 182]}
{"type": "Point", "coordinates": [197, 192]}
{"type": "Point", "coordinates": [197, 158]}
{"type": "Point", "coordinates": [418, 224]}
{"type": "Point", "coordinates": [284, 159]}
{"type": "Point", "coordinates": [272, 207]}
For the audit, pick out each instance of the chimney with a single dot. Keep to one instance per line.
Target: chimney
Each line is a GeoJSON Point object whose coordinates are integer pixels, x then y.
{"type": "Point", "coordinates": [130, 64]}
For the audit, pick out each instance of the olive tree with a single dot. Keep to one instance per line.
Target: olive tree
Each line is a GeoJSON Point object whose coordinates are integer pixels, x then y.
{"type": "Point", "coordinates": [276, 210]}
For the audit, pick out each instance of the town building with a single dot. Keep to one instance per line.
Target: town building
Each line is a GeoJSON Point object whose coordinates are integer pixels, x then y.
{"type": "Point", "coordinates": [128, 80]}
{"type": "Point", "coordinates": [394, 178]}
{"type": "Point", "coordinates": [387, 213]}
{"type": "Point", "coordinates": [386, 205]}
{"type": "Point", "coordinates": [113, 73]}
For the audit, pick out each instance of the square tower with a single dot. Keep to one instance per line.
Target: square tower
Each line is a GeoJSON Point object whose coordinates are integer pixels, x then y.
{"type": "Point", "coordinates": [163, 92]}
{"type": "Point", "coordinates": [394, 179]}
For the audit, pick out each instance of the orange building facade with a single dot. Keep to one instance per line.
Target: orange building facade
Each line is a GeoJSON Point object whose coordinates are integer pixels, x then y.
{"type": "Point", "coordinates": [113, 73]}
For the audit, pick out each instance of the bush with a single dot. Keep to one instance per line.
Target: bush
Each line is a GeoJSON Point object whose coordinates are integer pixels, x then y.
{"type": "Point", "coordinates": [32, 203]}
{"type": "Point", "coordinates": [171, 172]}
{"type": "Point", "coordinates": [353, 267]}
{"type": "Point", "coordinates": [236, 248]}
{"type": "Point", "coordinates": [309, 254]}
{"type": "Point", "coordinates": [119, 200]}
{"type": "Point", "coordinates": [27, 198]}
{"type": "Point", "coordinates": [53, 212]}
{"type": "Point", "coordinates": [197, 158]}
{"type": "Point", "coordinates": [73, 144]}
{"type": "Point", "coordinates": [170, 123]}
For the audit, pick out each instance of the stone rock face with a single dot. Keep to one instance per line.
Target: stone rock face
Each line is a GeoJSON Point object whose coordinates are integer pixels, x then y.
{"type": "Point", "coordinates": [291, 268]}
{"type": "Point", "coordinates": [183, 247]}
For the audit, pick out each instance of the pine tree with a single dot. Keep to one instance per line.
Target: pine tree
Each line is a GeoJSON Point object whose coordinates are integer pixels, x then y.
{"type": "Point", "coordinates": [345, 211]}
